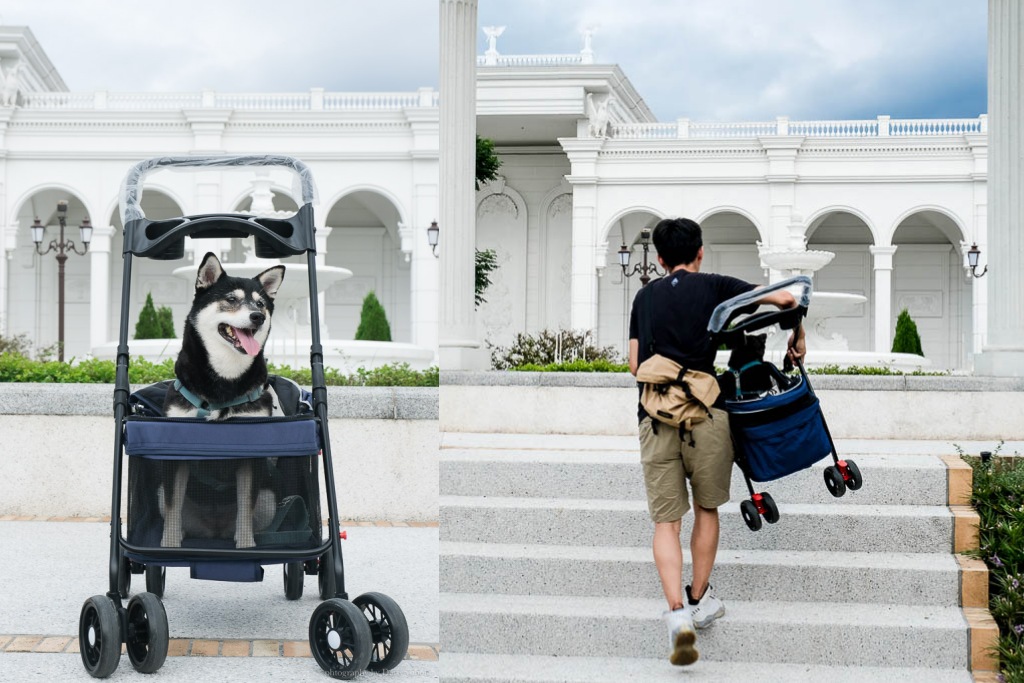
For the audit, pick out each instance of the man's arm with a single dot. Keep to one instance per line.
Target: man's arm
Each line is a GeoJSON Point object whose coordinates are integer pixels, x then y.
{"type": "Point", "coordinates": [634, 355]}
{"type": "Point", "coordinates": [797, 346]}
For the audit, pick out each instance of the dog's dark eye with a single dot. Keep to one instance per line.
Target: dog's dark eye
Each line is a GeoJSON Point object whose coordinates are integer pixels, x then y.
{"type": "Point", "coordinates": [260, 304]}
{"type": "Point", "coordinates": [232, 299]}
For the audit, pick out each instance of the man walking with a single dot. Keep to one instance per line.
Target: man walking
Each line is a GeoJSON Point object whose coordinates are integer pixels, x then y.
{"type": "Point", "coordinates": [674, 312]}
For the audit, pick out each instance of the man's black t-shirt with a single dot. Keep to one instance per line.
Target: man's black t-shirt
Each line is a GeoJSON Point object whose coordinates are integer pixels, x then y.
{"type": "Point", "coordinates": [681, 308]}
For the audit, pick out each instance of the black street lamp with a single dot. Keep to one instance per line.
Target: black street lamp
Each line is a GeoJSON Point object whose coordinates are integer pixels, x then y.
{"type": "Point", "coordinates": [645, 269]}
{"type": "Point", "coordinates": [433, 233]}
{"type": "Point", "coordinates": [972, 260]}
{"type": "Point", "coordinates": [61, 246]}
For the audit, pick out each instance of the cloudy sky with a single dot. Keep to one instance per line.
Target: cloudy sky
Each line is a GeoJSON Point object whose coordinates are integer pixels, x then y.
{"type": "Point", "coordinates": [703, 59]}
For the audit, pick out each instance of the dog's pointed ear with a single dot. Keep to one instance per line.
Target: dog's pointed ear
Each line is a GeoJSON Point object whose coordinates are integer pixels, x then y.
{"type": "Point", "coordinates": [270, 280]}
{"type": "Point", "coordinates": [210, 271]}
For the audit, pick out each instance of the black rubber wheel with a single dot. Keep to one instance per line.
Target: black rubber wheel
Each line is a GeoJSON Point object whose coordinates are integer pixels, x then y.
{"type": "Point", "coordinates": [340, 639]}
{"type": "Point", "coordinates": [771, 510]}
{"type": "Point", "coordinates": [147, 637]}
{"type": "Point", "coordinates": [99, 636]}
{"type": "Point", "coordinates": [156, 579]}
{"type": "Point", "coordinates": [856, 480]}
{"type": "Point", "coordinates": [834, 481]}
{"type": "Point", "coordinates": [389, 630]}
{"type": "Point", "coordinates": [124, 578]}
{"type": "Point", "coordinates": [325, 578]}
{"type": "Point", "coordinates": [750, 515]}
{"type": "Point", "coordinates": [294, 575]}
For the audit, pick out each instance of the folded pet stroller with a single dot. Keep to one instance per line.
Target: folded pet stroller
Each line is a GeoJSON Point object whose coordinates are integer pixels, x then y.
{"type": "Point", "coordinates": [285, 455]}
{"type": "Point", "coordinates": [777, 426]}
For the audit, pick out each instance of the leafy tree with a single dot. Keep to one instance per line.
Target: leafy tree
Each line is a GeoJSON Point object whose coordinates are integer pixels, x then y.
{"type": "Point", "coordinates": [487, 165]}
{"type": "Point", "coordinates": [166, 317]}
{"type": "Point", "coordinates": [373, 322]}
{"type": "Point", "coordinates": [906, 339]}
{"type": "Point", "coordinates": [487, 162]}
{"type": "Point", "coordinates": [149, 326]}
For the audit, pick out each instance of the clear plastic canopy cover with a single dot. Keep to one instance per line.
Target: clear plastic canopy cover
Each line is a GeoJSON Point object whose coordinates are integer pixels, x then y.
{"type": "Point", "coordinates": [799, 286]}
{"type": "Point", "coordinates": [131, 187]}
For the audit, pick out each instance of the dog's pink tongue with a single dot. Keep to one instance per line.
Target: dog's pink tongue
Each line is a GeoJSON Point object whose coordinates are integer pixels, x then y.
{"type": "Point", "coordinates": [248, 341]}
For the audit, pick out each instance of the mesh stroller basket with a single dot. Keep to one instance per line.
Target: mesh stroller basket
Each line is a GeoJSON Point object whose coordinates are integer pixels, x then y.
{"type": "Point", "coordinates": [275, 458]}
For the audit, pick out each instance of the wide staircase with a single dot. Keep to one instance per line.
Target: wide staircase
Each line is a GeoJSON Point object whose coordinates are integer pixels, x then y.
{"type": "Point", "coordinates": [546, 570]}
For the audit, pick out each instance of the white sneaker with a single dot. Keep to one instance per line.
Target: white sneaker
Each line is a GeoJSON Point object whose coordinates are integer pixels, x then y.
{"type": "Point", "coordinates": [681, 636]}
{"type": "Point", "coordinates": [707, 609]}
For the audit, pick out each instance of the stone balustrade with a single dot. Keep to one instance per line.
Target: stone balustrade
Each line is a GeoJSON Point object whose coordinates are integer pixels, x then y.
{"type": "Point", "coordinates": [530, 60]}
{"type": "Point", "coordinates": [316, 99]}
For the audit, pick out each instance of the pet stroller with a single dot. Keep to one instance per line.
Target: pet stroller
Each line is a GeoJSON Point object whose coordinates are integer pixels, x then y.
{"type": "Point", "coordinates": [776, 422]}
{"type": "Point", "coordinates": [284, 453]}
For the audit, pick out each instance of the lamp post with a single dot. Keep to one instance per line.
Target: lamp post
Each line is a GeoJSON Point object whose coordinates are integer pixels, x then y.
{"type": "Point", "coordinates": [645, 269]}
{"type": "Point", "coordinates": [433, 233]}
{"type": "Point", "coordinates": [61, 246]}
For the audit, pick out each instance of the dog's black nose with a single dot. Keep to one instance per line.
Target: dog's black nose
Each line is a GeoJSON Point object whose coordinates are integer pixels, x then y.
{"type": "Point", "coordinates": [257, 318]}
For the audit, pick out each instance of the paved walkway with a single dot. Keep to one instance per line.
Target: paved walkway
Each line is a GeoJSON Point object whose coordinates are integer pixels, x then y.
{"type": "Point", "coordinates": [219, 631]}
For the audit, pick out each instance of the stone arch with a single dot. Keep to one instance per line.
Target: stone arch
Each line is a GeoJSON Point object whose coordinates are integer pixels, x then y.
{"type": "Point", "coordinates": [609, 226]}
{"type": "Point", "coordinates": [730, 243]}
{"type": "Point", "coordinates": [32, 281]}
{"type": "Point", "coordinates": [928, 280]}
{"type": "Point", "coordinates": [615, 292]}
{"type": "Point", "coordinates": [818, 217]}
{"type": "Point", "coordinates": [148, 276]}
{"type": "Point", "coordinates": [502, 221]}
{"type": "Point", "coordinates": [283, 200]}
{"type": "Point", "coordinates": [762, 235]}
{"type": "Point", "coordinates": [554, 259]}
{"type": "Point", "coordinates": [364, 237]}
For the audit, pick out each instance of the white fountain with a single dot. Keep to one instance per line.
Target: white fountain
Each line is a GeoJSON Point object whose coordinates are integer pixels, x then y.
{"type": "Point", "coordinates": [824, 347]}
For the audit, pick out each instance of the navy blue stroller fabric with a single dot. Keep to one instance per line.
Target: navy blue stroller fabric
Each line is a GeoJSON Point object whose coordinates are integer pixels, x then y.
{"type": "Point", "coordinates": [777, 435]}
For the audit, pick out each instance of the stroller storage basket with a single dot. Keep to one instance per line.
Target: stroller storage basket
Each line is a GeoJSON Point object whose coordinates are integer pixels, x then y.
{"type": "Point", "coordinates": [274, 459]}
{"type": "Point", "coordinates": [779, 434]}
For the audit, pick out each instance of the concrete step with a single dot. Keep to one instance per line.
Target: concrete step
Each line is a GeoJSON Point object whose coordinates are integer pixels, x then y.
{"type": "Point", "coordinates": [480, 668]}
{"type": "Point", "coordinates": [603, 572]}
{"type": "Point", "coordinates": [820, 634]}
{"type": "Point", "coordinates": [617, 475]}
{"type": "Point", "coordinates": [825, 527]}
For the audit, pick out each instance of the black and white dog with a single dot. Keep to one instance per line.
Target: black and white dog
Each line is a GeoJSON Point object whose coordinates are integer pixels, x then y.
{"type": "Point", "coordinates": [221, 373]}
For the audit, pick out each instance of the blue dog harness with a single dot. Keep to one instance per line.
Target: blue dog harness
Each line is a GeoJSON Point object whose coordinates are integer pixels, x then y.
{"type": "Point", "coordinates": [205, 407]}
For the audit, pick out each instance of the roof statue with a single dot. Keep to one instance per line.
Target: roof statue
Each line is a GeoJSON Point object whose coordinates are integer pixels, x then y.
{"type": "Point", "coordinates": [12, 83]}
{"type": "Point", "coordinates": [597, 114]}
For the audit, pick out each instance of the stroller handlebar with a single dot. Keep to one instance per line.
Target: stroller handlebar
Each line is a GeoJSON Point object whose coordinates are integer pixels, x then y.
{"type": "Point", "coordinates": [727, 311]}
{"type": "Point", "coordinates": [131, 188]}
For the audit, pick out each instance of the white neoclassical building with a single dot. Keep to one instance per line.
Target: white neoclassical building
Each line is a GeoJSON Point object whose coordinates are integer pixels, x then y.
{"type": "Point", "coordinates": [374, 157]}
{"type": "Point", "coordinates": [586, 167]}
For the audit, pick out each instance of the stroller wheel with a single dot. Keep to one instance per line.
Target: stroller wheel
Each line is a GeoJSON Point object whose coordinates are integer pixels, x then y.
{"type": "Point", "coordinates": [340, 638]}
{"type": "Point", "coordinates": [750, 515]}
{"type": "Point", "coordinates": [771, 510]}
{"type": "Point", "coordinates": [124, 578]}
{"type": "Point", "coordinates": [147, 639]}
{"type": "Point", "coordinates": [856, 480]}
{"type": "Point", "coordinates": [156, 579]}
{"type": "Point", "coordinates": [325, 578]}
{"type": "Point", "coordinates": [294, 575]}
{"type": "Point", "coordinates": [834, 481]}
{"type": "Point", "coordinates": [99, 636]}
{"type": "Point", "coordinates": [388, 628]}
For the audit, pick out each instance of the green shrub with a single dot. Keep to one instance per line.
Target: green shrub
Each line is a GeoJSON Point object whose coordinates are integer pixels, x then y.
{"type": "Point", "coordinates": [373, 322]}
{"type": "Point", "coordinates": [149, 325]}
{"type": "Point", "coordinates": [578, 365]}
{"type": "Point", "coordinates": [18, 345]}
{"type": "Point", "coordinates": [547, 347]}
{"type": "Point", "coordinates": [998, 496]}
{"type": "Point", "coordinates": [906, 339]}
{"type": "Point", "coordinates": [166, 317]}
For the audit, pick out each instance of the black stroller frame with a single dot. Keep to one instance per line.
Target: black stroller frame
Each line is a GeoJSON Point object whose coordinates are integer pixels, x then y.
{"type": "Point", "coordinates": [370, 632]}
{"type": "Point", "coordinates": [729, 323]}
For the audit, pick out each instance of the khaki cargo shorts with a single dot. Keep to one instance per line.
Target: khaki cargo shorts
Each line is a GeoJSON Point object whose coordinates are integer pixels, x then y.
{"type": "Point", "coordinates": [669, 461]}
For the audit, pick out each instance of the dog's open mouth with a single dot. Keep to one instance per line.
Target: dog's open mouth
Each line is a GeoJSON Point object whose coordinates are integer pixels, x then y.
{"type": "Point", "coordinates": [240, 338]}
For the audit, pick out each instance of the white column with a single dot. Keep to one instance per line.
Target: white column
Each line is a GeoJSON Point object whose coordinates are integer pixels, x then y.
{"type": "Point", "coordinates": [459, 347]}
{"type": "Point", "coordinates": [583, 312]}
{"type": "Point", "coordinates": [99, 285]}
{"type": "Point", "coordinates": [883, 297]}
{"type": "Point", "coordinates": [1003, 353]}
{"type": "Point", "coordinates": [8, 239]}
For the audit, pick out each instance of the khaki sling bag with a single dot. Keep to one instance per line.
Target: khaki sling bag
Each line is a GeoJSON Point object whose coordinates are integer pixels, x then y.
{"type": "Point", "coordinates": [672, 394]}
{"type": "Point", "coordinates": [675, 395]}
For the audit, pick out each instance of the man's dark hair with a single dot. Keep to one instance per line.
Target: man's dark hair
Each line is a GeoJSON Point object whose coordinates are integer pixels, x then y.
{"type": "Point", "coordinates": [677, 241]}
